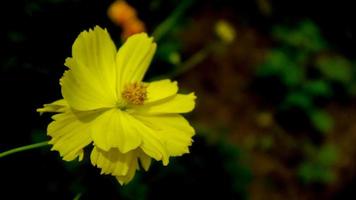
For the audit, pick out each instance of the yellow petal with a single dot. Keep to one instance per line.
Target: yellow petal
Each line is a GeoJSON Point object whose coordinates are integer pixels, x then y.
{"type": "Point", "coordinates": [152, 144]}
{"type": "Point", "coordinates": [115, 129]}
{"type": "Point", "coordinates": [145, 160]}
{"type": "Point", "coordinates": [133, 59]}
{"type": "Point", "coordinates": [70, 133]}
{"type": "Point", "coordinates": [130, 175]}
{"type": "Point", "coordinates": [56, 106]}
{"type": "Point", "coordinates": [90, 82]}
{"type": "Point", "coordinates": [178, 103]}
{"type": "Point", "coordinates": [123, 166]}
{"type": "Point", "coordinates": [162, 89]}
{"type": "Point", "coordinates": [113, 161]}
{"type": "Point", "coordinates": [119, 129]}
{"type": "Point", "coordinates": [174, 131]}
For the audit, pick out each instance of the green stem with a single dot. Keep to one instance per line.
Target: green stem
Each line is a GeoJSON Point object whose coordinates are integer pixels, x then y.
{"type": "Point", "coordinates": [167, 24]}
{"type": "Point", "coordinates": [23, 148]}
{"type": "Point", "coordinates": [189, 64]}
{"type": "Point", "coordinates": [77, 197]}
{"type": "Point", "coordinates": [193, 61]}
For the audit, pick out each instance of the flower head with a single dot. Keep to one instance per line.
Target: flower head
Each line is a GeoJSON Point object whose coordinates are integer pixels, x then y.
{"type": "Point", "coordinates": [120, 12]}
{"type": "Point", "coordinates": [131, 27]}
{"type": "Point", "coordinates": [125, 16]}
{"type": "Point", "coordinates": [105, 103]}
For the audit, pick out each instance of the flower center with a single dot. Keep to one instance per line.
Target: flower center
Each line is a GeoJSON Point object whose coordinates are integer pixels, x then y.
{"type": "Point", "coordinates": [135, 93]}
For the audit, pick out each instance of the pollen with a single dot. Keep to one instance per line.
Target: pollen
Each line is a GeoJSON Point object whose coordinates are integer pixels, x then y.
{"type": "Point", "coordinates": [135, 93]}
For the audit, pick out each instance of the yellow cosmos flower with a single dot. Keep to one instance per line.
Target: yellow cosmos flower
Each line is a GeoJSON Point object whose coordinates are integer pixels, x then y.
{"type": "Point", "coordinates": [106, 104]}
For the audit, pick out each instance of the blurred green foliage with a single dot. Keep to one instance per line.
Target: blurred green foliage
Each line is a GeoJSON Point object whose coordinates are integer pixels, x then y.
{"type": "Point", "coordinates": [308, 75]}
{"type": "Point", "coordinates": [240, 174]}
{"type": "Point", "coordinates": [335, 68]}
{"type": "Point", "coordinates": [169, 52]}
{"type": "Point", "coordinates": [279, 64]}
{"type": "Point", "coordinates": [318, 168]}
{"type": "Point", "coordinates": [321, 120]}
{"type": "Point", "coordinates": [306, 36]}
{"type": "Point", "coordinates": [303, 64]}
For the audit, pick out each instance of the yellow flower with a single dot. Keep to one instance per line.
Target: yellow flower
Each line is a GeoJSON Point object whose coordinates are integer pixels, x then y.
{"type": "Point", "coordinates": [105, 103]}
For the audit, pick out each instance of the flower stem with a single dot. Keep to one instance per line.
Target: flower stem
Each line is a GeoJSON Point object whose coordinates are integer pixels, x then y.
{"type": "Point", "coordinates": [24, 148]}
{"type": "Point", "coordinates": [77, 197]}
{"type": "Point", "coordinates": [194, 60]}
{"type": "Point", "coordinates": [190, 63]}
{"type": "Point", "coordinates": [169, 23]}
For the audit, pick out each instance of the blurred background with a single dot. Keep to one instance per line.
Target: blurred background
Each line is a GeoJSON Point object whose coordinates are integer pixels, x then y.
{"type": "Point", "coordinates": [276, 91]}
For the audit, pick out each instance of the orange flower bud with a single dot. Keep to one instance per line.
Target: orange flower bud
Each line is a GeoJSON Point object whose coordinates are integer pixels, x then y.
{"type": "Point", "coordinates": [132, 27]}
{"type": "Point", "coordinates": [120, 12]}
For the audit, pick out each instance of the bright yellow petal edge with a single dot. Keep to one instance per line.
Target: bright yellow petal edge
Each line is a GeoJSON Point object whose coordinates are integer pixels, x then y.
{"type": "Point", "coordinates": [106, 106]}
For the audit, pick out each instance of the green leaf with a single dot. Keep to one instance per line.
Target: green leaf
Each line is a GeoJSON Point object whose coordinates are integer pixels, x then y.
{"type": "Point", "coordinates": [335, 68]}
{"type": "Point", "coordinates": [319, 88]}
{"type": "Point", "coordinates": [292, 75]}
{"type": "Point", "coordinates": [321, 121]}
{"type": "Point", "coordinates": [312, 37]}
{"type": "Point", "coordinates": [306, 172]}
{"type": "Point", "coordinates": [279, 63]}
{"type": "Point", "coordinates": [298, 99]}
{"type": "Point", "coordinates": [310, 172]}
{"type": "Point", "coordinates": [305, 36]}
{"type": "Point", "coordinates": [319, 166]}
{"type": "Point", "coordinates": [274, 64]}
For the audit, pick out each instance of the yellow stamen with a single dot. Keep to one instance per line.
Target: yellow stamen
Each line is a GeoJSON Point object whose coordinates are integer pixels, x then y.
{"type": "Point", "coordinates": [135, 93]}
